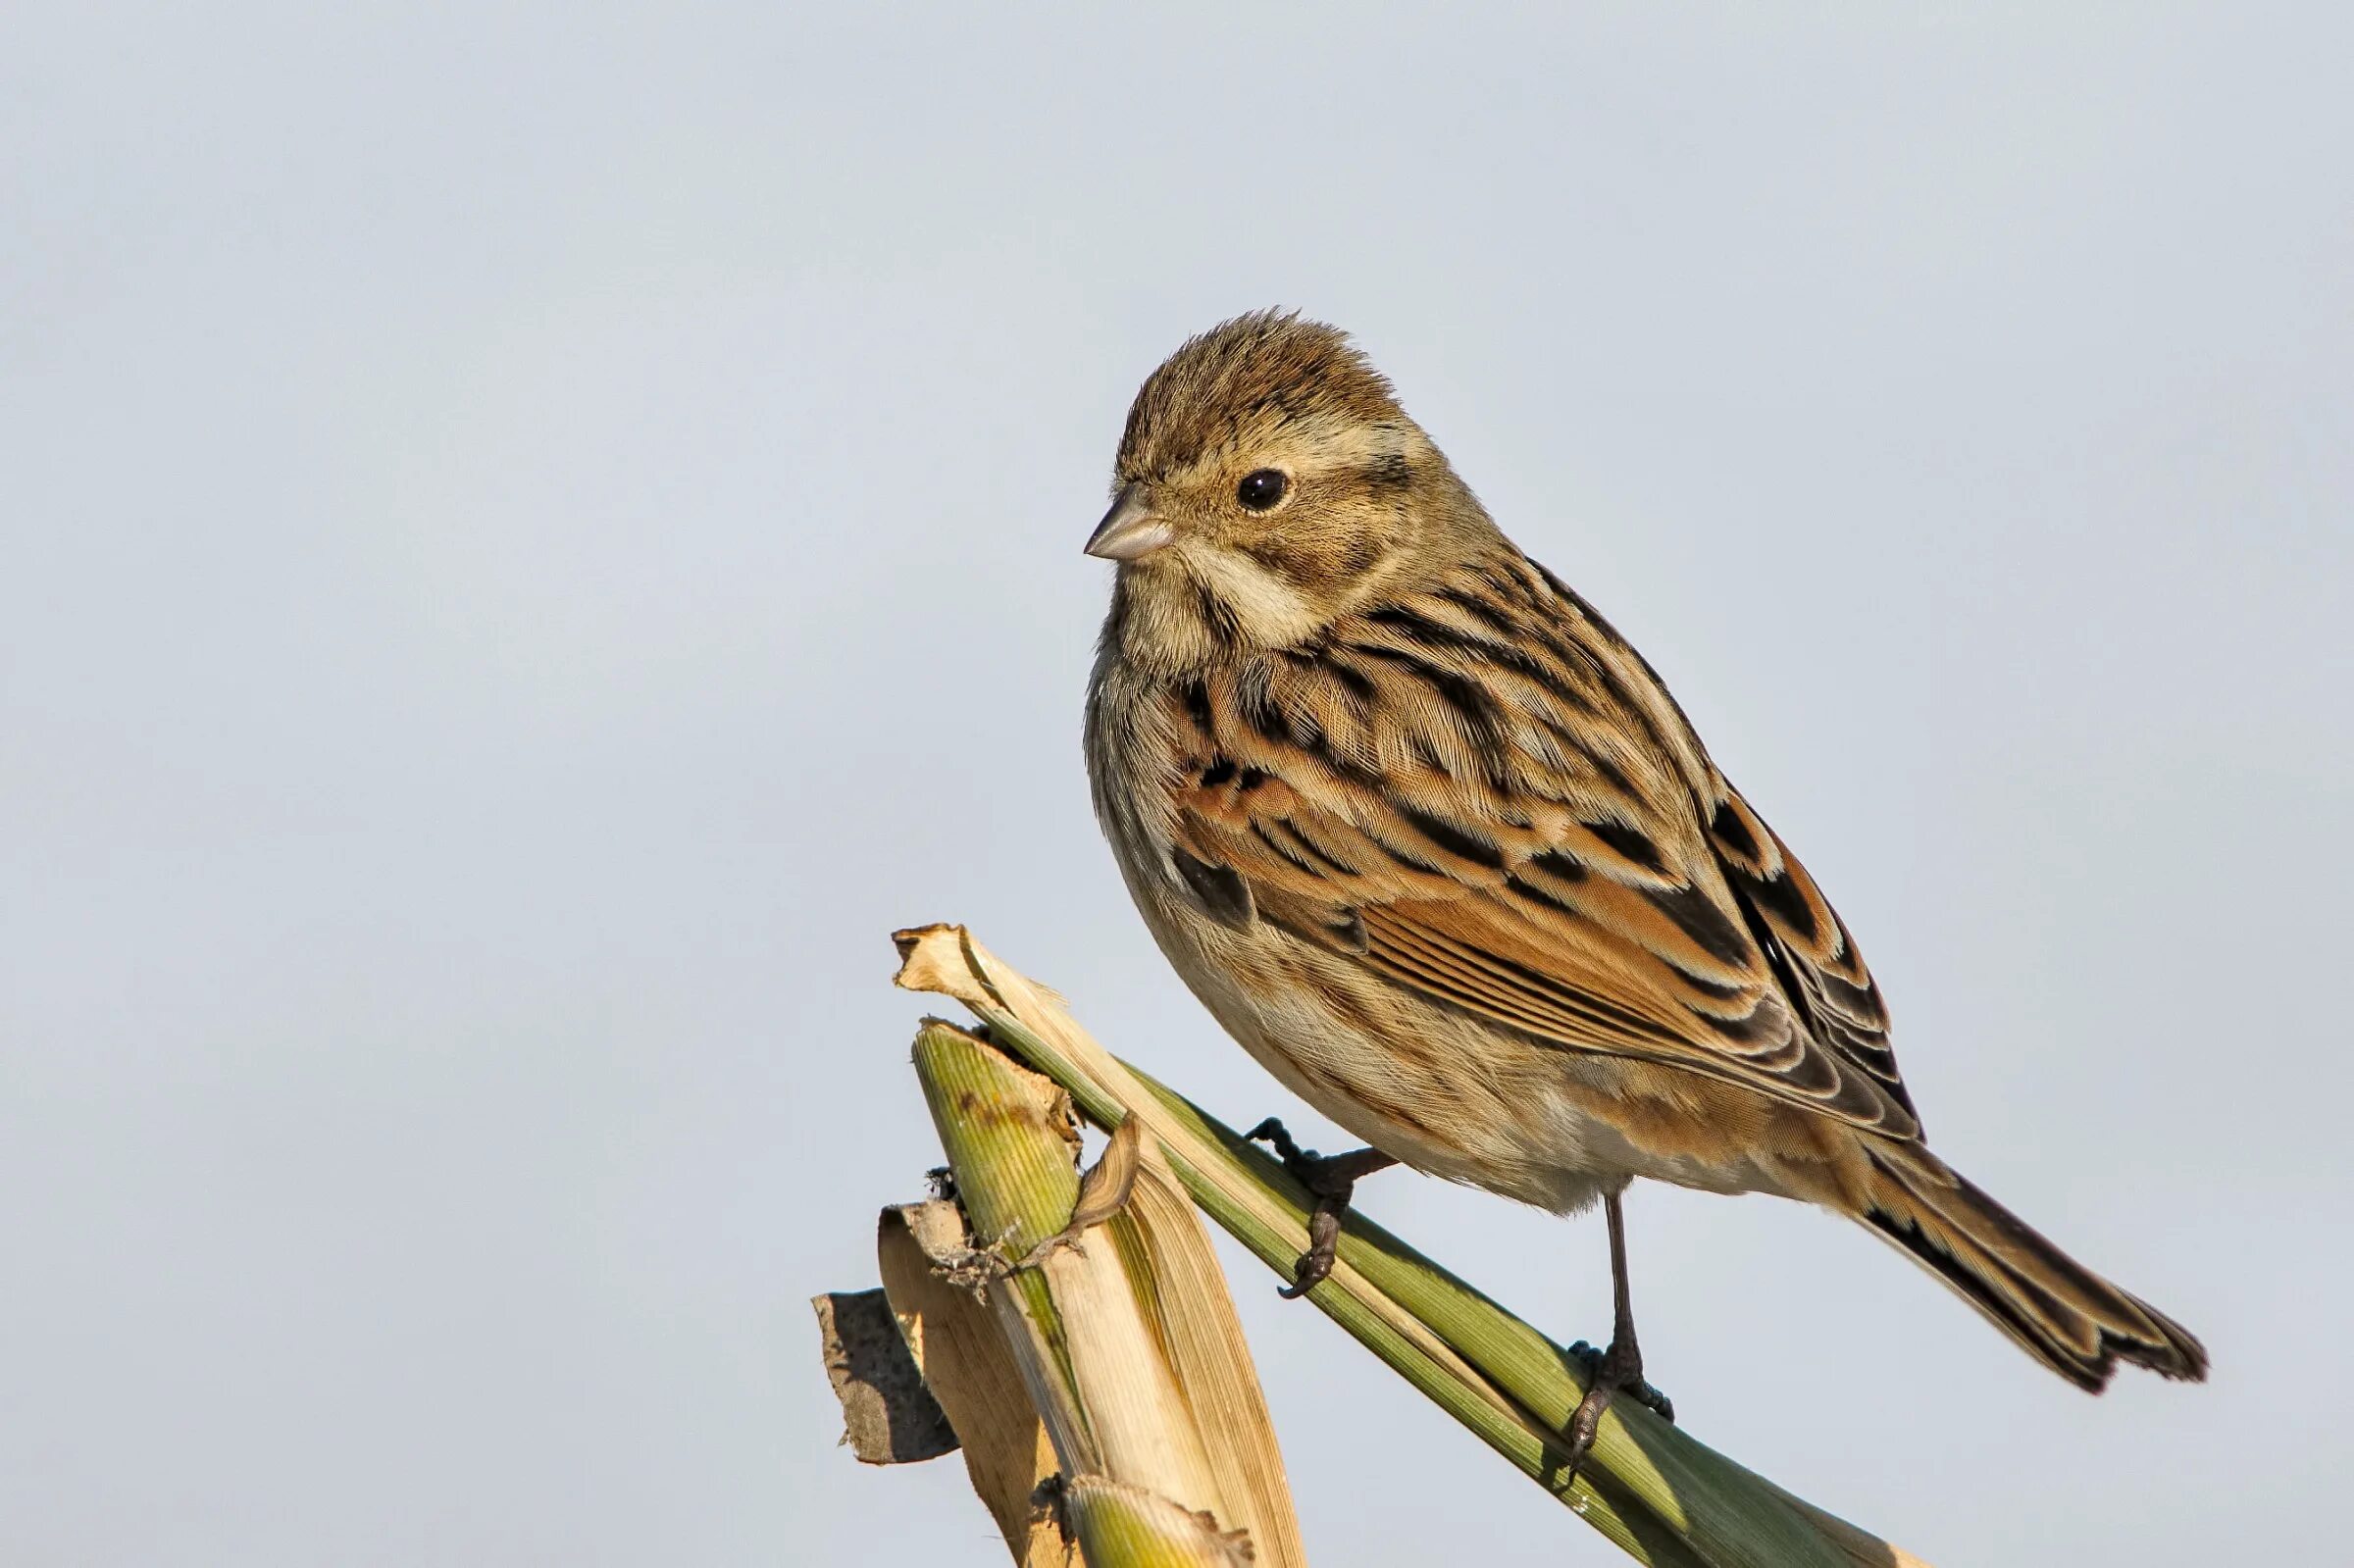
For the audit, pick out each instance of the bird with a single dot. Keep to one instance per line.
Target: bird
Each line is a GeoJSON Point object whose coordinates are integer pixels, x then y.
{"type": "Point", "coordinates": [1434, 843]}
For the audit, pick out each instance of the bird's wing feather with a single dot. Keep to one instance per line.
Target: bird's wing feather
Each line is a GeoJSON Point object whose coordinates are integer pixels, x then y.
{"type": "Point", "coordinates": [1514, 819]}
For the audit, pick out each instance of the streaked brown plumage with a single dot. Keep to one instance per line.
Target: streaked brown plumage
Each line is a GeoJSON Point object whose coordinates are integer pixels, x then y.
{"type": "Point", "coordinates": [1435, 844]}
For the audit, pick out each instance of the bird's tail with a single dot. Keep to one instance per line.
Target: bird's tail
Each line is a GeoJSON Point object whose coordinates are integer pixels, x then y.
{"type": "Point", "coordinates": [2067, 1316]}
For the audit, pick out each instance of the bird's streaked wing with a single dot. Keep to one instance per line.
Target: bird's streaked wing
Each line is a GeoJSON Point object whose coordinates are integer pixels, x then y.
{"type": "Point", "coordinates": [1445, 791]}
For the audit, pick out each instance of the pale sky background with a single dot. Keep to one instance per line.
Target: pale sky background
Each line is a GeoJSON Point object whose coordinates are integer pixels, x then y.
{"type": "Point", "coordinates": [531, 537]}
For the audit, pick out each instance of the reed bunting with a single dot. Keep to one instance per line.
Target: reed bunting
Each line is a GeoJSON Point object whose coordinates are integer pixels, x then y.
{"type": "Point", "coordinates": [1435, 844]}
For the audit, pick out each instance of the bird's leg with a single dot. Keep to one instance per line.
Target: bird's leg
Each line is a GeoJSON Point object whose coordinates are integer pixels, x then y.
{"type": "Point", "coordinates": [1618, 1369]}
{"type": "Point", "coordinates": [1332, 1179]}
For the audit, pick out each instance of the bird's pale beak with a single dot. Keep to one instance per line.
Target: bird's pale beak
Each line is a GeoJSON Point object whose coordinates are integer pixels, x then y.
{"type": "Point", "coordinates": [1129, 531]}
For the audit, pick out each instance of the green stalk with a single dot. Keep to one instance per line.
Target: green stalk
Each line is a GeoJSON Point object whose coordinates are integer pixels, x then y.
{"type": "Point", "coordinates": [1017, 1183]}
{"type": "Point", "coordinates": [1655, 1490]}
{"type": "Point", "coordinates": [1015, 1170]}
{"type": "Point", "coordinates": [1119, 1324]}
{"type": "Point", "coordinates": [1132, 1528]}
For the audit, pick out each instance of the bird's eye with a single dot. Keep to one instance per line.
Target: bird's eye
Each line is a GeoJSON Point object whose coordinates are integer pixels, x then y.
{"type": "Point", "coordinates": [1261, 489]}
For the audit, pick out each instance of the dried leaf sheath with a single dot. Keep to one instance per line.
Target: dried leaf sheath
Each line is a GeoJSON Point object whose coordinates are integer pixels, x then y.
{"type": "Point", "coordinates": [1128, 1343]}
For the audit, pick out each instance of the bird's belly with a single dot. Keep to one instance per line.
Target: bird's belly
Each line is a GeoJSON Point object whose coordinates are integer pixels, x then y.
{"type": "Point", "coordinates": [1442, 1090]}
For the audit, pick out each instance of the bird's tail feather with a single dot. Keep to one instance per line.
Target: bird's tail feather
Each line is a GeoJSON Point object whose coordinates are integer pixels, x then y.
{"type": "Point", "coordinates": [2064, 1314]}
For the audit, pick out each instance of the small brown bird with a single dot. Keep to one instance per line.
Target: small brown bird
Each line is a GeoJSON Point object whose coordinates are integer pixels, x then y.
{"type": "Point", "coordinates": [1435, 844]}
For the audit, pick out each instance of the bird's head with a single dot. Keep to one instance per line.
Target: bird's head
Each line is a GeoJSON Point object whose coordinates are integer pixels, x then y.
{"type": "Point", "coordinates": [1267, 483]}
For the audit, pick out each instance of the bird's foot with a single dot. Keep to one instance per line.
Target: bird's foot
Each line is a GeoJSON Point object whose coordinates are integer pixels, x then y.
{"type": "Point", "coordinates": [1609, 1373]}
{"type": "Point", "coordinates": [1332, 1180]}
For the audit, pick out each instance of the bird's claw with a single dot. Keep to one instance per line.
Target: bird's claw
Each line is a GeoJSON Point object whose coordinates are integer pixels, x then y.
{"type": "Point", "coordinates": [1643, 1393]}
{"type": "Point", "coordinates": [1331, 1180]}
{"type": "Point", "coordinates": [1612, 1372]}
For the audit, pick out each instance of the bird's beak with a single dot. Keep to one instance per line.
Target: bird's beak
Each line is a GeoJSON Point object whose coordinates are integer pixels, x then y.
{"type": "Point", "coordinates": [1129, 531]}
